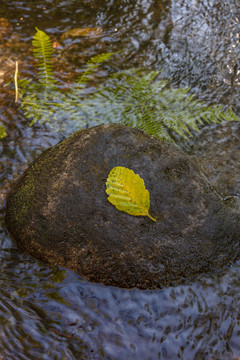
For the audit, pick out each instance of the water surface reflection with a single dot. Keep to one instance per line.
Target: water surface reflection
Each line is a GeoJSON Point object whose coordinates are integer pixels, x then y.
{"type": "Point", "coordinates": [53, 313]}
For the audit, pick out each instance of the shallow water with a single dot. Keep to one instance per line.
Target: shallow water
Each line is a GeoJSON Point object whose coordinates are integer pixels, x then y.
{"type": "Point", "coordinates": [53, 313]}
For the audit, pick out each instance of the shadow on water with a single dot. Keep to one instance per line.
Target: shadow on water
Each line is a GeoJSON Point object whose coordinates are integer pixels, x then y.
{"type": "Point", "coordinates": [53, 313]}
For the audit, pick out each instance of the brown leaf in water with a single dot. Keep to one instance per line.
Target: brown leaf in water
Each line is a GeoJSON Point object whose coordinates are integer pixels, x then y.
{"type": "Point", "coordinates": [78, 32]}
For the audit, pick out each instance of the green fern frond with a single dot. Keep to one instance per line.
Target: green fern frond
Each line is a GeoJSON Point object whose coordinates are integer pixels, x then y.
{"type": "Point", "coordinates": [134, 97]}
{"type": "Point", "coordinates": [140, 99]}
{"type": "Point", "coordinates": [92, 65]}
{"type": "Point", "coordinates": [43, 51]}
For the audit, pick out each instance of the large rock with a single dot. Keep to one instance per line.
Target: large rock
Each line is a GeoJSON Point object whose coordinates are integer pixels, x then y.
{"type": "Point", "coordinates": [58, 212]}
{"type": "Point", "coordinates": [217, 150]}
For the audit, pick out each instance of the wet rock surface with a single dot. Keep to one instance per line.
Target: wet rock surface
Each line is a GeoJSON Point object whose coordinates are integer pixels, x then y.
{"type": "Point", "coordinates": [58, 212]}
{"type": "Point", "coordinates": [217, 151]}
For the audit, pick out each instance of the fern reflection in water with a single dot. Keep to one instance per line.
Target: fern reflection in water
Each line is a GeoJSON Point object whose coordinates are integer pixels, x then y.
{"type": "Point", "coordinates": [134, 97]}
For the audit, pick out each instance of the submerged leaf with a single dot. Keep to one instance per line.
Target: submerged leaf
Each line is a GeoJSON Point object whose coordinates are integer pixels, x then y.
{"type": "Point", "coordinates": [127, 192]}
{"type": "Point", "coordinates": [79, 32]}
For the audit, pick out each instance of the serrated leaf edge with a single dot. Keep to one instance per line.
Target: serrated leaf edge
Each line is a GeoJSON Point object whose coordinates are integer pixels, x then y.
{"type": "Point", "coordinates": [112, 183]}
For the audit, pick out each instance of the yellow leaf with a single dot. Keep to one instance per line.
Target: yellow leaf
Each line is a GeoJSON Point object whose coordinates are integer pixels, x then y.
{"type": "Point", "coordinates": [127, 192]}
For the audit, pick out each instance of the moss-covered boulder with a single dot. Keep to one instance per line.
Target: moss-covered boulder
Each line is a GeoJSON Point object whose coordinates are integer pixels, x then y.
{"type": "Point", "coordinates": [58, 212]}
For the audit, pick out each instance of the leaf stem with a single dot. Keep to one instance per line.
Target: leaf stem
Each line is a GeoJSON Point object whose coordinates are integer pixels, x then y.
{"type": "Point", "coordinates": [150, 217]}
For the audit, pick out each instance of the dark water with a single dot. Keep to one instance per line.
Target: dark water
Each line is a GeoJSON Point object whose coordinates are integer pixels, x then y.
{"type": "Point", "coordinates": [53, 313]}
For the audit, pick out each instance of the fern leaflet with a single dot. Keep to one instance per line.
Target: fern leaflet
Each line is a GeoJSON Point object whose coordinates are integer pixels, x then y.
{"type": "Point", "coordinates": [43, 51]}
{"type": "Point", "coordinates": [134, 97]}
{"type": "Point", "coordinates": [92, 65]}
{"type": "Point", "coordinates": [3, 132]}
